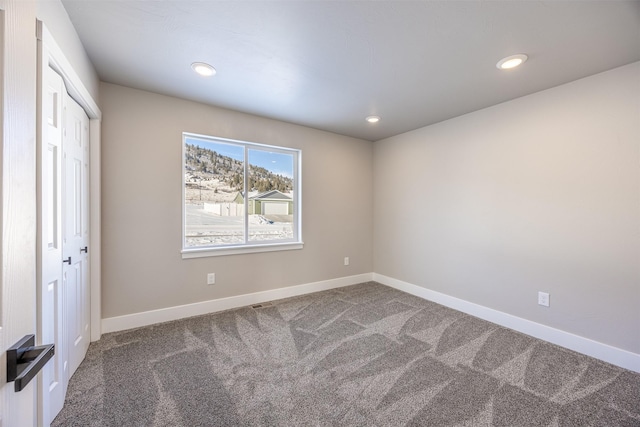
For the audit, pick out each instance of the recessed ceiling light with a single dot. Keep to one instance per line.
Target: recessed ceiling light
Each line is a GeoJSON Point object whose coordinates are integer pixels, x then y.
{"type": "Point", "coordinates": [373, 119]}
{"type": "Point", "coordinates": [203, 69]}
{"type": "Point", "coordinates": [511, 61]}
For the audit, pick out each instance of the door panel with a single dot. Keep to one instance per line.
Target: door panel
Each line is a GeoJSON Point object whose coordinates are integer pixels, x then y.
{"type": "Point", "coordinates": [64, 297]}
{"type": "Point", "coordinates": [50, 278]}
{"type": "Point", "coordinates": [75, 231]}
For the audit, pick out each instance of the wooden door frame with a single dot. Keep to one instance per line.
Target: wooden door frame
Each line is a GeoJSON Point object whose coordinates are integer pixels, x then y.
{"type": "Point", "coordinates": [50, 54]}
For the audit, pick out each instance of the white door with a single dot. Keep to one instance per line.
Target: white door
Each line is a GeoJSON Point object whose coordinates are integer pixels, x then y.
{"type": "Point", "coordinates": [50, 293]}
{"type": "Point", "coordinates": [63, 294]}
{"type": "Point", "coordinates": [75, 231]}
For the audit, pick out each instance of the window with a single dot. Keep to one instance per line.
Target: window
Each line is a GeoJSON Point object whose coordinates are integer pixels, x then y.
{"type": "Point", "coordinates": [238, 197]}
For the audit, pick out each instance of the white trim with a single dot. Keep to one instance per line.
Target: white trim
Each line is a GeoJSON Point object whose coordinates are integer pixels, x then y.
{"type": "Point", "coordinates": [129, 321]}
{"type": "Point", "coordinates": [55, 57]}
{"type": "Point", "coordinates": [59, 62]}
{"type": "Point", "coordinates": [95, 223]}
{"type": "Point", "coordinates": [246, 246]}
{"type": "Point", "coordinates": [246, 249]}
{"type": "Point", "coordinates": [605, 352]}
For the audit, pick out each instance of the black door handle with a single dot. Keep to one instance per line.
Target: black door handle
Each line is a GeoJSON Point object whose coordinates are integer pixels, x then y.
{"type": "Point", "coordinates": [68, 261]}
{"type": "Point", "coordinates": [85, 250]}
{"type": "Point", "coordinates": [25, 360]}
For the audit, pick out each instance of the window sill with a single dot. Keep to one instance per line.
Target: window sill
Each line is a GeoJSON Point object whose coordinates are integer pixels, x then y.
{"type": "Point", "coordinates": [229, 250]}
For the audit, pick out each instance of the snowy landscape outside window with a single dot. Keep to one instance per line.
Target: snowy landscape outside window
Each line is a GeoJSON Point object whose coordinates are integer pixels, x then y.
{"type": "Point", "coordinates": [239, 195]}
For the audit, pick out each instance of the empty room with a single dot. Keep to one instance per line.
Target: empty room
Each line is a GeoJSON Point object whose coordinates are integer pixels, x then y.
{"type": "Point", "coordinates": [320, 213]}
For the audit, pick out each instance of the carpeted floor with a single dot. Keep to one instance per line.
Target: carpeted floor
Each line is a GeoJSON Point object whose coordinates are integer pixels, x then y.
{"type": "Point", "coordinates": [364, 355]}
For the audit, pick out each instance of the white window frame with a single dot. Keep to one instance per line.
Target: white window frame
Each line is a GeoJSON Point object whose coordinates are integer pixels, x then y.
{"type": "Point", "coordinates": [247, 246]}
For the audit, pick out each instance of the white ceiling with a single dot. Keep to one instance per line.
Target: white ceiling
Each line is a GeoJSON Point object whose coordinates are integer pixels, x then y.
{"type": "Point", "coordinates": [329, 64]}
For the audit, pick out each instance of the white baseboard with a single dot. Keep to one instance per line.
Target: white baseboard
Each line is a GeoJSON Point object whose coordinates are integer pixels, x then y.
{"type": "Point", "coordinates": [136, 320]}
{"type": "Point", "coordinates": [607, 353]}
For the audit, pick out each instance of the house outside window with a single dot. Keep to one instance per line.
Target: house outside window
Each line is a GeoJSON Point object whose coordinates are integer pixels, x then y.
{"type": "Point", "coordinates": [239, 197]}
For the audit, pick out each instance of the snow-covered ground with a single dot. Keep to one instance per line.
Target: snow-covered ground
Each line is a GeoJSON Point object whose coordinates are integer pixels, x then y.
{"type": "Point", "coordinates": [204, 228]}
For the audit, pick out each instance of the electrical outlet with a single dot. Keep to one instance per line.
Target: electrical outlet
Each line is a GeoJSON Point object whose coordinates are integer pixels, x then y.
{"type": "Point", "coordinates": [211, 279]}
{"type": "Point", "coordinates": [346, 260]}
{"type": "Point", "coordinates": [543, 299]}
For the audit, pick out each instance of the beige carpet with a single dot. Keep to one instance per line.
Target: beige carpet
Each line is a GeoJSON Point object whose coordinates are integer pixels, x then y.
{"type": "Point", "coordinates": [363, 355]}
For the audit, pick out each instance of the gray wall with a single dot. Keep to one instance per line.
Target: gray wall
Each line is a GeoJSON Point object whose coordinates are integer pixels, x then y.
{"type": "Point", "coordinates": [141, 199]}
{"type": "Point", "coordinates": [540, 193]}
